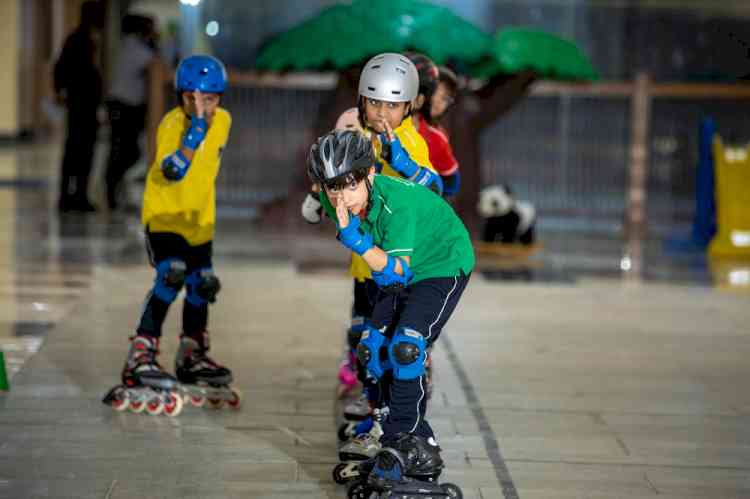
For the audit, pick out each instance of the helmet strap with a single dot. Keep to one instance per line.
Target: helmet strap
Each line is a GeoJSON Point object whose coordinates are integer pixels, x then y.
{"type": "Point", "coordinates": [369, 194]}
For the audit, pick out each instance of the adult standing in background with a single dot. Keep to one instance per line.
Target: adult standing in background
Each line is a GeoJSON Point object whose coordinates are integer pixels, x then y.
{"type": "Point", "coordinates": [78, 84]}
{"type": "Point", "coordinates": [126, 103]}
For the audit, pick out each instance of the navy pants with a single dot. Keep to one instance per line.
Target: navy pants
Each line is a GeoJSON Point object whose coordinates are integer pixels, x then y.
{"type": "Point", "coordinates": [163, 245]}
{"type": "Point", "coordinates": [425, 307]}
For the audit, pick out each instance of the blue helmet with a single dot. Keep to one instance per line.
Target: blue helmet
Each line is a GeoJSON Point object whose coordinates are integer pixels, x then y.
{"type": "Point", "coordinates": [201, 72]}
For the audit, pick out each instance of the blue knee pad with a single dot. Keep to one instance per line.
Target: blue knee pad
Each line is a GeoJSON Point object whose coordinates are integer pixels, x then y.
{"type": "Point", "coordinates": [202, 287]}
{"type": "Point", "coordinates": [170, 276]}
{"type": "Point", "coordinates": [407, 353]}
{"type": "Point", "coordinates": [368, 352]}
{"type": "Point", "coordinates": [358, 326]}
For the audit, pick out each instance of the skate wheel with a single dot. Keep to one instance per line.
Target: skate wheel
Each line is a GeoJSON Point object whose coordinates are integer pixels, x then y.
{"type": "Point", "coordinates": [359, 491]}
{"type": "Point", "coordinates": [136, 406]}
{"type": "Point", "coordinates": [338, 477]}
{"type": "Point", "coordinates": [235, 399]}
{"type": "Point", "coordinates": [195, 400]}
{"type": "Point", "coordinates": [120, 404]}
{"type": "Point", "coordinates": [174, 406]}
{"type": "Point", "coordinates": [119, 400]}
{"type": "Point", "coordinates": [215, 403]}
{"type": "Point", "coordinates": [452, 490]}
{"type": "Point", "coordinates": [154, 406]}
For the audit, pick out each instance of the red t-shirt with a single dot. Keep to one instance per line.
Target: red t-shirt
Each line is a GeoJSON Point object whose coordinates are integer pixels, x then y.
{"type": "Point", "coordinates": [441, 153]}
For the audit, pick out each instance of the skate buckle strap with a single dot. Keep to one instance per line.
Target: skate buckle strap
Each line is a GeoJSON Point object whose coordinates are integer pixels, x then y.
{"type": "Point", "coordinates": [146, 368]}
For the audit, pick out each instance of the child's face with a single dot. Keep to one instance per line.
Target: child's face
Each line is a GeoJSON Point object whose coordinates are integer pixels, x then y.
{"type": "Point", "coordinates": [353, 196]}
{"type": "Point", "coordinates": [441, 100]}
{"type": "Point", "coordinates": [378, 111]}
{"type": "Point", "coordinates": [210, 103]}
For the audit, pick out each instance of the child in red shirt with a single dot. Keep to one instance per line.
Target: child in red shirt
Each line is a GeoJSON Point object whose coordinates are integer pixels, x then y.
{"type": "Point", "coordinates": [436, 93]}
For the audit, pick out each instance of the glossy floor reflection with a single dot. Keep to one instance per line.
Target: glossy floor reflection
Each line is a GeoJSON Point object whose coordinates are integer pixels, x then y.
{"type": "Point", "coordinates": [561, 376]}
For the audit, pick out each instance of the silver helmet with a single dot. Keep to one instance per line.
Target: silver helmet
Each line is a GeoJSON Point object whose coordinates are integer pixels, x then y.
{"type": "Point", "coordinates": [389, 77]}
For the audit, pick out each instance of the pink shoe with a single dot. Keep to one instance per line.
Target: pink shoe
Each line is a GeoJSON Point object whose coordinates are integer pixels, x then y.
{"type": "Point", "coordinates": [347, 375]}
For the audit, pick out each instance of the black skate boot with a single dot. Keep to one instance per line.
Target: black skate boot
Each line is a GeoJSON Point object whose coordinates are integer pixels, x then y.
{"type": "Point", "coordinates": [408, 469]}
{"type": "Point", "coordinates": [146, 386]}
{"type": "Point", "coordinates": [203, 378]}
{"type": "Point", "coordinates": [142, 368]}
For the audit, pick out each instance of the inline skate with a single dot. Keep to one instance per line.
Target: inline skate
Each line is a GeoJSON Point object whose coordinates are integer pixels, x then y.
{"type": "Point", "coordinates": [203, 381]}
{"type": "Point", "coordinates": [145, 385]}
{"type": "Point", "coordinates": [408, 468]}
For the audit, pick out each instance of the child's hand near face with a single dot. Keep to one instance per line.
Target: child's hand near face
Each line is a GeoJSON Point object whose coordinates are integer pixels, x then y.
{"type": "Point", "coordinates": [388, 131]}
{"type": "Point", "coordinates": [342, 214]}
{"type": "Point", "coordinates": [200, 108]}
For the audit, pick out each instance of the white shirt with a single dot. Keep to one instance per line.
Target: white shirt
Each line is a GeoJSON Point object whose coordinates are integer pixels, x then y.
{"type": "Point", "coordinates": [129, 83]}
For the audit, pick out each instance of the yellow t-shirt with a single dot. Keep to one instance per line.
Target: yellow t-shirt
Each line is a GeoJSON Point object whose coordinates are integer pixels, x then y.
{"type": "Point", "coordinates": [416, 147]}
{"type": "Point", "coordinates": [188, 206]}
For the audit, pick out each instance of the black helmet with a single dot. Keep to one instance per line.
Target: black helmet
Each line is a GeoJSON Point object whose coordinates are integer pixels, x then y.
{"type": "Point", "coordinates": [340, 156]}
{"type": "Point", "coordinates": [428, 80]}
{"type": "Point", "coordinates": [427, 71]}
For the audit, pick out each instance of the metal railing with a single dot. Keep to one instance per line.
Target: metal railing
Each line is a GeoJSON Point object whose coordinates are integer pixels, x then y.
{"type": "Point", "coordinates": [603, 155]}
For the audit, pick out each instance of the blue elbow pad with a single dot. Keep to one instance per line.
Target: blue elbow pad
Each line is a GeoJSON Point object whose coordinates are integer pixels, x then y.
{"type": "Point", "coordinates": [452, 184]}
{"type": "Point", "coordinates": [175, 166]}
{"type": "Point", "coordinates": [388, 280]}
{"type": "Point", "coordinates": [398, 157]}
{"type": "Point", "coordinates": [196, 133]}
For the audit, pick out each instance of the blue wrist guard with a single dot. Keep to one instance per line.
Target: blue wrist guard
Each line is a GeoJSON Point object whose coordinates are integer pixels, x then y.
{"type": "Point", "coordinates": [175, 166]}
{"type": "Point", "coordinates": [452, 184]}
{"type": "Point", "coordinates": [388, 280]}
{"type": "Point", "coordinates": [353, 238]}
{"type": "Point", "coordinates": [196, 133]}
{"type": "Point", "coordinates": [398, 157]}
{"type": "Point", "coordinates": [429, 179]}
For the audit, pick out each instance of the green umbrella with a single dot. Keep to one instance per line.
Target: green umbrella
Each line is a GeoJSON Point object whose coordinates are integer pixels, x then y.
{"type": "Point", "coordinates": [518, 49]}
{"type": "Point", "coordinates": [347, 34]}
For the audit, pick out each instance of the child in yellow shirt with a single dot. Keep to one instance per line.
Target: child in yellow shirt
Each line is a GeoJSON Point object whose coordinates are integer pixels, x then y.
{"type": "Point", "coordinates": [179, 217]}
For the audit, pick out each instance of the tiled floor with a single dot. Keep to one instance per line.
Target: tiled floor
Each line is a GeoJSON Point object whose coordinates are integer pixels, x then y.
{"type": "Point", "coordinates": [565, 382]}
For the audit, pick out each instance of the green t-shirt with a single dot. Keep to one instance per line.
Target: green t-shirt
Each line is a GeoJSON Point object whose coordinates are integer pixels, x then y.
{"type": "Point", "coordinates": [407, 219]}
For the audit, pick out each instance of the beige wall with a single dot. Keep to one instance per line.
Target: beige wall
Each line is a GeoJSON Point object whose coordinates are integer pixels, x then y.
{"type": "Point", "coordinates": [10, 23]}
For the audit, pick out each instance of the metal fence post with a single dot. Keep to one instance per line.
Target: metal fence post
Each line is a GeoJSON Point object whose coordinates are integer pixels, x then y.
{"type": "Point", "coordinates": [640, 115]}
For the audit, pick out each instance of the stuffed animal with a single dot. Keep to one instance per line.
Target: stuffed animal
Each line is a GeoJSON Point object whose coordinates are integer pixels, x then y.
{"type": "Point", "coordinates": [506, 220]}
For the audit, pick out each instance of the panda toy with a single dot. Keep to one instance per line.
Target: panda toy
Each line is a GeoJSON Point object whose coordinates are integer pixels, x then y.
{"type": "Point", "coordinates": [506, 220]}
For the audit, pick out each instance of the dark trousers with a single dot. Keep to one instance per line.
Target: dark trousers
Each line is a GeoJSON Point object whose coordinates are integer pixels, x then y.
{"type": "Point", "coordinates": [425, 307]}
{"type": "Point", "coordinates": [126, 124]}
{"type": "Point", "coordinates": [163, 245]}
{"type": "Point", "coordinates": [78, 156]}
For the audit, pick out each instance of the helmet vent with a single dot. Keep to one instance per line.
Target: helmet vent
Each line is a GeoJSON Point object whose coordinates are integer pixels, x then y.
{"type": "Point", "coordinates": [371, 89]}
{"type": "Point", "coordinates": [396, 92]}
{"type": "Point", "coordinates": [377, 66]}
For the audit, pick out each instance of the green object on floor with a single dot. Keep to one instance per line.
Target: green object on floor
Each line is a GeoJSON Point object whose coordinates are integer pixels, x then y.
{"type": "Point", "coordinates": [347, 34]}
{"type": "Point", "coordinates": [554, 58]}
{"type": "Point", "coordinates": [3, 374]}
